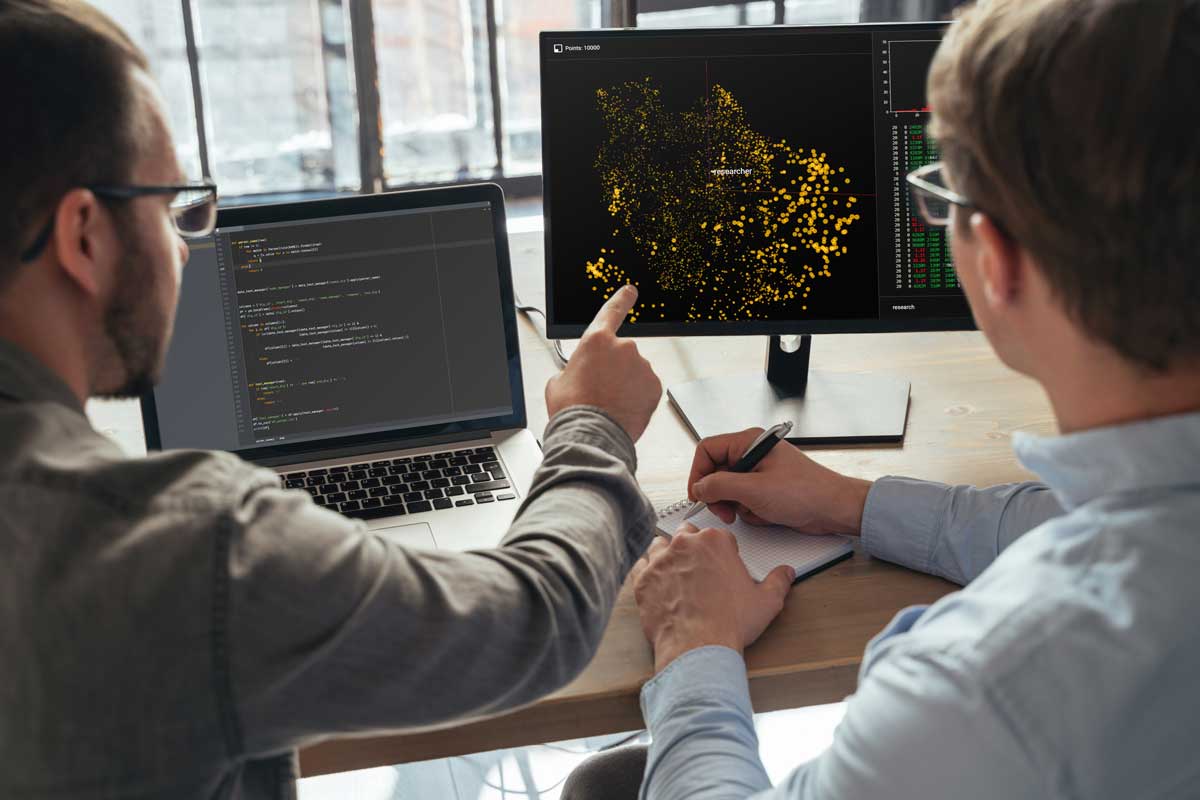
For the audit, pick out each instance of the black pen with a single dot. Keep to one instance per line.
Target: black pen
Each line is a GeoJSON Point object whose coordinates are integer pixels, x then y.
{"type": "Point", "coordinates": [755, 453]}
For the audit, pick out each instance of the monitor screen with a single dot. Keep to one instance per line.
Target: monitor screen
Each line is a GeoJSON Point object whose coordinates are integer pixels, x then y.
{"type": "Point", "coordinates": [746, 180]}
{"type": "Point", "coordinates": [300, 331]}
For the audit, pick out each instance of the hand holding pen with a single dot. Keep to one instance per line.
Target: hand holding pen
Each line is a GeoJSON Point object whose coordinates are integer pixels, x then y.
{"type": "Point", "coordinates": [786, 488]}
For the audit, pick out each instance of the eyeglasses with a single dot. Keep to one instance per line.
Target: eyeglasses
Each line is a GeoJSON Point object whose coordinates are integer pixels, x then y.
{"type": "Point", "coordinates": [193, 210]}
{"type": "Point", "coordinates": [935, 201]}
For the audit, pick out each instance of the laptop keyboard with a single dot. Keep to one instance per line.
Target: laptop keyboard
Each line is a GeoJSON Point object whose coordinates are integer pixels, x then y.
{"type": "Point", "coordinates": [412, 485]}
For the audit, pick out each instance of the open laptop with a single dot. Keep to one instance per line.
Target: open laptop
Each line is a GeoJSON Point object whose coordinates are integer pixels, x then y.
{"type": "Point", "coordinates": [364, 348]}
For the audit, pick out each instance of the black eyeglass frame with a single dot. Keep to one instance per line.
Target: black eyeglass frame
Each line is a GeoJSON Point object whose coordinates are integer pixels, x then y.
{"type": "Point", "coordinates": [117, 192]}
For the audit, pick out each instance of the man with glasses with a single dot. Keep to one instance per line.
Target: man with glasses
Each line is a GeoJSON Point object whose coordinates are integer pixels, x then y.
{"type": "Point", "coordinates": [160, 616]}
{"type": "Point", "coordinates": [1069, 665]}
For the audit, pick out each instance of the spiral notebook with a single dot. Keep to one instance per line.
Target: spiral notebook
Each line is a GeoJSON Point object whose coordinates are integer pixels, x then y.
{"type": "Point", "coordinates": [765, 547]}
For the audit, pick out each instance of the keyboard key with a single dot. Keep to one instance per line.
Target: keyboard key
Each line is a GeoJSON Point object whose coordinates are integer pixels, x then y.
{"type": "Point", "coordinates": [374, 513]}
{"type": "Point", "coordinates": [294, 483]}
{"type": "Point", "coordinates": [472, 469]}
{"type": "Point", "coordinates": [433, 494]}
{"type": "Point", "coordinates": [398, 470]}
{"type": "Point", "coordinates": [418, 486]}
{"type": "Point", "coordinates": [320, 499]}
{"type": "Point", "coordinates": [334, 499]}
{"type": "Point", "coordinates": [338, 470]}
{"type": "Point", "coordinates": [491, 451]}
{"type": "Point", "coordinates": [440, 483]}
{"type": "Point", "coordinates": [321, 471]}
{"type": "Point", "coordinates": [439, 463]}
{"type": "Point", "coordinates": [399, 488]}
{"type": "Point", "coordinates": [349, 486]}
{"type": "Point", "coordinates": [425, 457]}
{"type": "Point", "coordinates": [383, 463]}
{"type": "Point", "coordinates": [395, 501]}
{"type": "Point", "coordinates": [484, 498]}
{"type": "Point", "coordinates": [464, 503]}
{"type": "Point", "coordinates": [487, 486]}
{"type": "Point", "coordinates": [491, 465]}
{"type": "Point", "coordinates": [482, 477]}
{"type": "Point", "coordinates": [315, 480]}
{"type": "Point", "coordinates": [349, 505]}
{"type": "Point", "coordinates": [461, 480]}
{"type": "Point", "coordinates": [295, 476]}
{"type": "Point", "coordinates": [417, 508]}
{"type": "Point", "coordinates": [446, 454]}
{"type": "Point", "coordinates": [450, 472]}
{"type": "Point", "coordinates": [381, 491]}
{"type": "Point", "coordinates": [359, 494]}
{"type": "Point", "coordinates": [443, 503]}
{"type": "Point", "coordinates": [390, 480]}
{"type": "Point", "coordinates": [465, 452]}
{"type": "Point", "coordinates": [430, 474]}
{"type": "Point", "coordinates": [506, 497]}
{"type": "Point", "coordinates": [372, 503]}
{"type": "Point", "coordinates": [356, 474]}
{"type": "Point", "coordinates": [459, 462]}
{"type": "Point", "coordinates": [330, 488]}
{"type": "Point", "coordinates": [371, 483]}
{"type": "Point", "coordinates": [455, 491]}
{"type": "Point", "coordinates": [413, 497]}
{"type": "Point", "coordinates": [377, 472]}
{"type": "Point", "coordinates": [497, 473]}
{"type": "Point", "coordinates": [482, 459]}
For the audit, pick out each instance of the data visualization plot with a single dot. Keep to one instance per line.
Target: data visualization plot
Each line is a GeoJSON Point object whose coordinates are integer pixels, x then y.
{"type": "Point", "coordinates": [730, 222]}
{"type": "Point", "coordinates": [908, 67]}
{"type": "Point", "coordinates": [720, 202]}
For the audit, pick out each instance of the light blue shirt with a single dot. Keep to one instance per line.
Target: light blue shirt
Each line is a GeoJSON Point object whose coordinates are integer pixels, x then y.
{"type": "Point", "coordinates": [1069, 666]}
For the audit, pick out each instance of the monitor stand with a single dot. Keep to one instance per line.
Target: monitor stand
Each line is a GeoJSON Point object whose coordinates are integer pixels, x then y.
{"type": "Point", "coordinates": [824, 407]}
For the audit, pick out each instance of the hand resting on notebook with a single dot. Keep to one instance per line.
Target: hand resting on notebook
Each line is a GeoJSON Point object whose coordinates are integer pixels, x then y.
{"type": "Point", "coordinates": [786, 488]}
{"type": "Point", "coordinates": [694, 591]}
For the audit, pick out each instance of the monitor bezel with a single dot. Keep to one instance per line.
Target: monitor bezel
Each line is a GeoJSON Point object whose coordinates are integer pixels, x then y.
{"type": "Point", "coordinates": [366, 204]}
{"type": "Point", "coordinates": [559, 330]}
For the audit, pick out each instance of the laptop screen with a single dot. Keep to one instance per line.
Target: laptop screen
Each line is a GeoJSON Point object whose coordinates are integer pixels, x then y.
{"type": "Point", "coordinates": [308, 330]}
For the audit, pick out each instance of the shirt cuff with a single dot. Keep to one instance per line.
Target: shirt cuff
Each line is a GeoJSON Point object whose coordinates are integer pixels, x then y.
{"type": "Point", "coordinates": [902, 521]}
{"type": "Point", "coordinates": [711, 675]}
{"type": "Point", "coordinates": [591, 425]}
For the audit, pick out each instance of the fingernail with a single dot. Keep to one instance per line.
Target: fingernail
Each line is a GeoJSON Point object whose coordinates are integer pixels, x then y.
{"type": "Point", "coordinates": [791, 573]}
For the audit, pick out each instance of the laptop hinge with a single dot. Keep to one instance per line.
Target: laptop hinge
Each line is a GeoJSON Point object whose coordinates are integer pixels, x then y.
{"type": "Point", "coordinates": [374, 447]}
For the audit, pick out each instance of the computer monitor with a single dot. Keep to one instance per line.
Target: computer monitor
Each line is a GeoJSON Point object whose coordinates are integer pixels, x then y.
{"type": "Point", "coordinates": [748, 181]}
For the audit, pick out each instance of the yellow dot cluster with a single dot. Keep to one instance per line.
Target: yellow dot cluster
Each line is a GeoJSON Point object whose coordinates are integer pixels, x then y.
{"type": "Point", "coordinates": [728, 221]}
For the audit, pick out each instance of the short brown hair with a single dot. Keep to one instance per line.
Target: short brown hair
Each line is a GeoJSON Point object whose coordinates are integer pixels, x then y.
{"type": "Point", "coordinates": [1073, 123]}
{"type": "Point", "coordinates": [68, 111]}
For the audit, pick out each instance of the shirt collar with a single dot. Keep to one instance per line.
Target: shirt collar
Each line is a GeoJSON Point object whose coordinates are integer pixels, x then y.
{"type": "Point", "coordinates": [1079, 467]}
{"type": "Point", "coordinates": [25, 379]}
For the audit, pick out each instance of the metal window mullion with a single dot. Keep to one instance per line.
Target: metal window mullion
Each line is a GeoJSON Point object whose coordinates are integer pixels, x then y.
{"type": "Point", "coordinates": [366, 91]}
{"type": "Point", "coordinates": [494, 76]}
{"type": "Point", "coordinates": [193, 57]}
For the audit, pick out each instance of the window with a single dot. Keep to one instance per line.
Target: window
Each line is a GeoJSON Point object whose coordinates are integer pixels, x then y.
{"type": "Point", "coordinates": [435, 90]}
{"type": "Point", "coordinates": [326, 96]}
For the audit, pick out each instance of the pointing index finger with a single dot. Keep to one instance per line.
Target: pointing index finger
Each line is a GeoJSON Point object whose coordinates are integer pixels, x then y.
{"type": "Point", "coordinates": [613, 313]}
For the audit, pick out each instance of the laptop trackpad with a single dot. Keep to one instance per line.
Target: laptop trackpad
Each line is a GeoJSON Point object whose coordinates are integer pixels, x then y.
{"type": "Point", "coordinates": [417, 534]}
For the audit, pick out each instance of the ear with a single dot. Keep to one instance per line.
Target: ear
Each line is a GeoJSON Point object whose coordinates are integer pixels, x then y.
{"type": "Point", "coordinates": [85, 241]}
{"type": "Point", "coordinates": [1000, 263]}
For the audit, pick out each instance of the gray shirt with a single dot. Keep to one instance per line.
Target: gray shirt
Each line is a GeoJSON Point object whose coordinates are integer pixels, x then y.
{"type": "Point", "coordinates": [1069, 666]}
{"type": "Point", "coordinates": [177, 625]}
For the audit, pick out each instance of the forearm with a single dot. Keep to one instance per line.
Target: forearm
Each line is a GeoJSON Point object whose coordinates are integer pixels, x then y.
{"type": "Point", "coordinates": [699, 714]}
{"type": "Point", "coordinates": [954, 532]}
{"type": "Point", "coordinates": [361, 634]}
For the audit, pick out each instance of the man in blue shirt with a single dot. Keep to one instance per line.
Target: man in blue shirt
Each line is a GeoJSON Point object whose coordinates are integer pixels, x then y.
{"type": "Point", "coordinates": [1069, 664]}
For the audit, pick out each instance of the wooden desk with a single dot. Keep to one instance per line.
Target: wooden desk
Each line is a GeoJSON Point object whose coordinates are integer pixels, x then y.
{"type": "Point", "coordinates": [965, 406]}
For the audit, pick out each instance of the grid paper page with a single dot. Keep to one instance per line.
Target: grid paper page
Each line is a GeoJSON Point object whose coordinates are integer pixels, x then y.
{"type": "Point", "coordinates": [763, 548]}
